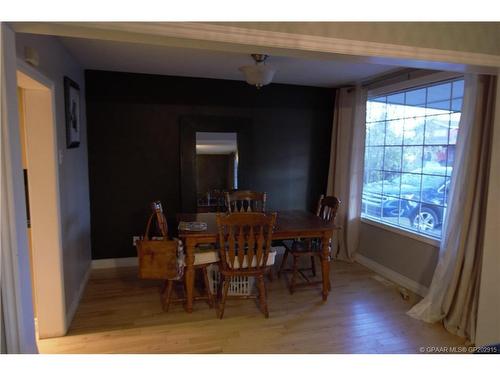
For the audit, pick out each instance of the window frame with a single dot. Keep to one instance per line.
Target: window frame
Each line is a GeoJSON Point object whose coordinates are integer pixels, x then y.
{"type": "Point", "coordinates": [391, 89]}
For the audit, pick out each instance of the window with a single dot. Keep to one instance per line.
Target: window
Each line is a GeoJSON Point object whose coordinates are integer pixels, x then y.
{"type": "Point", "coordinates": [409, 150]}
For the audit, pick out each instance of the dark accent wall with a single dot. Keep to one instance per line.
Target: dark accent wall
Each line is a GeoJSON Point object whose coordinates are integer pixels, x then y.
{"type": "Point", "coordinates": [134, 145]}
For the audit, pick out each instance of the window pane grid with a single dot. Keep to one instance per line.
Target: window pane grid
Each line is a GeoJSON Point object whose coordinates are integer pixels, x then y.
{"type": "Point", "coordinates": [386, 196]}
{"type": "Point", "coordinates": [442, 113]}
{"type": "Point", "coordinates": [411, 173]}
{"type": "Point", "coordinates": [409, 154]}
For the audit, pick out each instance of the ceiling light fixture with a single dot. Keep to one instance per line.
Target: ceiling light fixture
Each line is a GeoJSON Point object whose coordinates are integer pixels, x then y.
{"type": "Point", "coordinates": [259, 74]}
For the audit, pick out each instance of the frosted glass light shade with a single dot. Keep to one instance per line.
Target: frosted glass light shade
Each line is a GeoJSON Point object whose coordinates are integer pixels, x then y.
{"type": "Point", "coordinates": [259, 74]}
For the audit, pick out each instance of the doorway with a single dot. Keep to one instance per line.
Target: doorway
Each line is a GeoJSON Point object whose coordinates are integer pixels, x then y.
{"type": "Point", "coordinates": [39, 161]}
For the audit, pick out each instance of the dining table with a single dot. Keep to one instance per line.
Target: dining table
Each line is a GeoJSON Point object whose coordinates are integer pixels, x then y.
{"type": "Point", "coordinates": [290, 224]}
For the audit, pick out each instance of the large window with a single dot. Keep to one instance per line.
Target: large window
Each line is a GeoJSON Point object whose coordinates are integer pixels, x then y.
{"type": "Point", "coordinates": [409, 151]}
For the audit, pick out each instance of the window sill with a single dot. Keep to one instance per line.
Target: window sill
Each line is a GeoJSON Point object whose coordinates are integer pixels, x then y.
{"type": "Point", "coordinates": [418, 237]}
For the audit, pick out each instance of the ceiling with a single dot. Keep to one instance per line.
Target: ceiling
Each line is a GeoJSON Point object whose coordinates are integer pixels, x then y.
{"type": "Point", "coordinates": [191, 62]}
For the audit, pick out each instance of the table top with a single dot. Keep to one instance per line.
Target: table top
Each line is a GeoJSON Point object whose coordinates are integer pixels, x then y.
{"type": "Point", "coordinates": [288, 224]}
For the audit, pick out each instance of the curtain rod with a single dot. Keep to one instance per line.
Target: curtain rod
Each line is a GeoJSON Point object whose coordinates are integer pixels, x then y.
{"type": "Point", "coordinates": [398, 76]}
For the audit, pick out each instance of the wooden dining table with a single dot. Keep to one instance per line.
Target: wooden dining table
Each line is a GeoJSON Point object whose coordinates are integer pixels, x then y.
{"type": "Point", "coordinates": [289, 225]}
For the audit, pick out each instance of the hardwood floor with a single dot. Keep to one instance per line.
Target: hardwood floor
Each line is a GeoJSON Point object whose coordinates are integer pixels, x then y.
{"type": "Point", "coordinates": [363, 314]}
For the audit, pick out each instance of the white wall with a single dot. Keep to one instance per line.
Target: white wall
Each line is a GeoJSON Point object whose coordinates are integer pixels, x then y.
{"type": "Point", "coordinates": [55, 63]}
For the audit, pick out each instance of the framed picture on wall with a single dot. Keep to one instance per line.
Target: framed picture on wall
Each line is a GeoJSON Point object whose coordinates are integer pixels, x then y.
{"type": "Point", "coordinates": [72, 110]}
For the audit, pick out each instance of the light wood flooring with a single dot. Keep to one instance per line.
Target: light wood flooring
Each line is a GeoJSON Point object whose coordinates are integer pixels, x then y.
{"type": "Point", "coordinates": [122, 314]}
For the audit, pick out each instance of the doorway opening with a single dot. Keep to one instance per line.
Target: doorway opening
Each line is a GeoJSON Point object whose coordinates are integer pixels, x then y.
{"type": "Point", "coordinates": [39, 162]}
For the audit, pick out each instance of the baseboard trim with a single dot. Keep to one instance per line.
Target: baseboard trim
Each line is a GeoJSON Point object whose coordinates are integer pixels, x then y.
{"type": "Point", "coordinates": [70, 313]}
{"type": "Point", "coordinates": [391, 275]}
{"type": "Point", "coordinates": [114, 263]}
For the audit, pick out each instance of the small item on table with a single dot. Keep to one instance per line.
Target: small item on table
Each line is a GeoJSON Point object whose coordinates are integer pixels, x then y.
{"type": "Point", "coordinates": [192, 225]}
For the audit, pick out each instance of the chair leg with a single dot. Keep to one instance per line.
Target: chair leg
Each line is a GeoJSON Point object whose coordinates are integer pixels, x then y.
{"type": "Point", "coordinates": [207, 288]}
{"type": "Point", "coordinates": [294, 273]}
{"type": "Point", "coordinates": [184, 289]}
{"type": "Point", "coordinates": [283, 262]}
{"type": "Point", "coordinates": [218, 292]}
{"type": "Point", "coordinates": [262, 296]}
{"type": "Point", "coordinates": [224, 296]}
{"type": "Point", "coordinates": [270, 274]}
{"type": "Point", "coordinates": [167, 296]}
{"type": "Point", "coordinates": [164, 287]}
{"type": "Point", "coordinates": [329, 284]}
{"type": "Point", "coordinates": [313, 266]}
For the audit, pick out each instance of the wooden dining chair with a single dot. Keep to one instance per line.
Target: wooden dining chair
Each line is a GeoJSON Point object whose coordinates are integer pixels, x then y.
{"type": "Point", "coordinates": [327, 210]}
{"type": "Point", "coordinates": [212, 201]}
{"type": "Point", "coordinates": [245, 201]}
{"type": "Point", "coordinates": [158, 218]}
{"type": "Point", "coordinates": [245, 250]}
{"type": "Point", "coordinates": [201, 262]}
{"type": "Point", "coordinates": [218, 199]}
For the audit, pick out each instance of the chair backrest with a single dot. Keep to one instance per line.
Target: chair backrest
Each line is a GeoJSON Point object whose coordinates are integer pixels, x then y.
{"type": "Point", "coordinates": [245, 239]}
{"type": "Point", "coordinates": [328, 207]}
{"type": "Point", "coordinates": [161, 221]}
{"type": "Point", "coordinates": [245, 201]}
{"type": "Point", "coordinates": [217, 198]}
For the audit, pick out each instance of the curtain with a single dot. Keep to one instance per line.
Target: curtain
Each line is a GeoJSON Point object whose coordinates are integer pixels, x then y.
{"type": "Point", "coordinates": [345, 178]}
{"type": "Point", "coordinates": [454, 292]}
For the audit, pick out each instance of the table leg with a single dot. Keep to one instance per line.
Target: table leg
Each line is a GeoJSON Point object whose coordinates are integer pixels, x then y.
{"type": "Point", "coordinates": [190, 248]}
{"type": "Point", "coordinates": [325, 264]}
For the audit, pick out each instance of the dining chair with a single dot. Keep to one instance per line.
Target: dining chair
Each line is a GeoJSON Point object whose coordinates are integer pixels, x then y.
{"type": "Point", "coordinates": [161, 221]}
{"type": "Point", "coordinates": [212, 201]}
{"type": "Point", "coordinates": [202, 260]}
{"type": "Point", "coordinates": [327, 210]}
{"type": "Point", "coordinates": [245, 201]}
{"type": "Point", "coordinates": [218, 199]}
{"type": "Point", "coordinates": [245, 250]}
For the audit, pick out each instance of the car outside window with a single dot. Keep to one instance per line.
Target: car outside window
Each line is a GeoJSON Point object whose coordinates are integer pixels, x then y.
{"type": "Point", "coordinates": [409, 152]}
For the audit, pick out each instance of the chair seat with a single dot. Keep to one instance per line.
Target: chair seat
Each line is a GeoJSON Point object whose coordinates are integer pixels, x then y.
{"type": "Point", "coordinates": [270, 261]}
{"type": "Point", "coordinates": [205, 256]}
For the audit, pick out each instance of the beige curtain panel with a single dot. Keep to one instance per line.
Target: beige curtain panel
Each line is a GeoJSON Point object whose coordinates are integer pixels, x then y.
{"type": "Point", "coordinates": [345, 178]}
{"type": "Point", "coordinates": [454, 292]}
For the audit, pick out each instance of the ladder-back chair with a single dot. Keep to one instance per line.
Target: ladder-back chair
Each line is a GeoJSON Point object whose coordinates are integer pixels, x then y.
{"type": "Point", "coordinates": [199, 263]}
{"type": "Point", "coordinates": [245, 250]}
{"type": "Point", "coordinates": [245, 201]}
{"type": "Point", "coordinates": [327, 210]}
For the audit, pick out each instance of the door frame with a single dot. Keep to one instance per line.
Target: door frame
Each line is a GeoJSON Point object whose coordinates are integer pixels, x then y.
{"type": "Point", "coordinates": [16, 271]}
{"type": "Point", "coordinates": [17, 305]}
{"type": "Point", "coordinates": [49, 281]}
